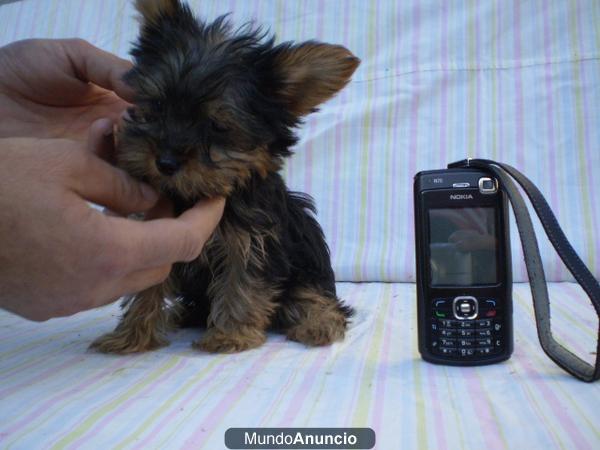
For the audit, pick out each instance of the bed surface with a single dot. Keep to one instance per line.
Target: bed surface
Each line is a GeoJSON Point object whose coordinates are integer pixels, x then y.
{"type": "Point", "coordinates": [517, 81]}
{"type": "Point", "coordinates": [55, 394]}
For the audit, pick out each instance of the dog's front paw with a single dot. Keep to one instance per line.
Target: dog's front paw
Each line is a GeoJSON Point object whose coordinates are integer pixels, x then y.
{"type": "Point", "coordinates": [124, 341]}
{"type": "Point", "coordinates": [216, 341]}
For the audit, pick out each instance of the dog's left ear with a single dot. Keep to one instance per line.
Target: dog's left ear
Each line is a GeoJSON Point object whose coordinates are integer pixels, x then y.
{"type": "Point", "coordinates": [311, 73]}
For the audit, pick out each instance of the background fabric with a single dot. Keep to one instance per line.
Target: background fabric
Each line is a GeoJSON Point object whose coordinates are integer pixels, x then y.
{"type": "Point", "coordinates": [55, 395]}
{"type": "Point", "coordinates": [517, 81]}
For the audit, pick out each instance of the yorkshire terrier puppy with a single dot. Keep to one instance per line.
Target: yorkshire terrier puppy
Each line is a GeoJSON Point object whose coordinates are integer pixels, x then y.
{"type": "Point", "coordinates": [214, 115]}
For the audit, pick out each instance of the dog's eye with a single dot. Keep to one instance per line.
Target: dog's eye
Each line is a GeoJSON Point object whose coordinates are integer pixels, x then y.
{"type": "Point", "coordinates": [218, 127]}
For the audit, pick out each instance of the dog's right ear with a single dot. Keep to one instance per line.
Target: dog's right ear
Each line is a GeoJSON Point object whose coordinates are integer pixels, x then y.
{"type": "Point", "coordinates": [152, 11]}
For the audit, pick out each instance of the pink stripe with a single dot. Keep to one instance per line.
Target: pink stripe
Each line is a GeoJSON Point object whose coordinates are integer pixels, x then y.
{"type": "Point", "coordinates": [45, 375]}
{"type": "Point", "coordinates": [202, 432]}
{"type": "Point", "coordinates": [396, 172]}
{"type": "Point", "coordinates": [98, 28]}
{"type": "Point", "coordinates": [556, 407]}
{"type": "Point", "coordinates": [79, 17]}
{"type": "Point", "coordinates": [165, 423]}
{"type": "Point", "coordinates": [34, 23]}
{"type": "Point", "coordinates": [444, 93]}
{"type": "Point", "coordinates": [477, 75]}
{"type": "Point", "coordinates": [295, 405]}
{"type": "Point", "coordinates": [99, 426]}
{"type": "Point", "coordinates": [587, 146]}
{"type": "Point", "coordinates": [519, 120]}
{"type": "Point", "coordinates": [551, 139]}
{"type": "Point", "coordinates": [310, 124]}
{"type": "Point", "coordinates": [413, 130]}
{"type": "Point", "coordinates": [368, 245]}
{"type": "Point", "coordinates": [382, 375]}
{"type": "Point", "coordinates": [487, 422]}
{"type": "Point", "coordinates": [438, 418]}
{"type": "Point", "coordinates": [17, 29]}
{"type": "Point", "coordinates": [58, 398]}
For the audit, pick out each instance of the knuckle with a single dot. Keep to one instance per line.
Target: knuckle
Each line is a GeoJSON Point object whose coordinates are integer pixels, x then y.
{"type": "Point", "coordinates": [77, 43]}
{"type": "Point", "coordinates": [191, 245]}
{"type": "Point", "coordinates": [111, 264]}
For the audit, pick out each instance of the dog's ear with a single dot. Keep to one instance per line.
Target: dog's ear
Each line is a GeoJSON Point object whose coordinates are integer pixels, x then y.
{"type": "Point", "coordinates": [151, 11]}
{"type": "Point", "coordinates": [310, 73]}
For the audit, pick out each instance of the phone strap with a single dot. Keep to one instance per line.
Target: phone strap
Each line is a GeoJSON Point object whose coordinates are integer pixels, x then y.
{"type": "Point", "coordinates": [535, 269]}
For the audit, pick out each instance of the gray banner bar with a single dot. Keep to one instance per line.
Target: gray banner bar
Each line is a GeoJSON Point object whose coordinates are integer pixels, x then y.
{"type": "Point", "coordinates": [303, 438]}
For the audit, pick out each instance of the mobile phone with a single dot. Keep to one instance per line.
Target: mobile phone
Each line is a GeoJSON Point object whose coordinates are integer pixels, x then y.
{"type": "Point", "coordinates": [464, 275]}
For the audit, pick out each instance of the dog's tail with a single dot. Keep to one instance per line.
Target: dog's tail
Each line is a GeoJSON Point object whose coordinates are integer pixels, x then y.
{"type": "Point", "coordinates": [153, 10]}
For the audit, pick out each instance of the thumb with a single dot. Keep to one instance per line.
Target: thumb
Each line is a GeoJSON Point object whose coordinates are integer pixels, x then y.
{"type": "Point", "coordinates": [159, 242]}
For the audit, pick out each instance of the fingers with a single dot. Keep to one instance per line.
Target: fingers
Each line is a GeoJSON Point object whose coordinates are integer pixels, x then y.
{"type": "Point", "coordinates": [138, 281]}
{"type": "Point", "coordinates": [92, 64]}
{"type": "Point", "coordinates": [101, 140]}
{"type": "Point", "coordinates": [106, 185]}
{"type": "Point", "coordinates": [161, 242]}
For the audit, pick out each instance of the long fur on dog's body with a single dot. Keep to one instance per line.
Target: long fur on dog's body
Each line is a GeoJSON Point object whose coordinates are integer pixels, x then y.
{"type": "Point", "coordinates": [218, 109]}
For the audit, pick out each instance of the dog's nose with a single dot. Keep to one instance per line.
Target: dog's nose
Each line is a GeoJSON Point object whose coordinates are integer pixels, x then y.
{"type": "Point", "coordinates": [167, 164]}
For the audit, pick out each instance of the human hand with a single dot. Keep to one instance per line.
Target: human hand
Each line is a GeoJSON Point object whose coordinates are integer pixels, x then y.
{"type": "Point", "coordinates": [58, 88]}
{"type": "Point", "coordinates": [58, 255]}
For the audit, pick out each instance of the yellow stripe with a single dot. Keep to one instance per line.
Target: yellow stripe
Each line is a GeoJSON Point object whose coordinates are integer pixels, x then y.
{"type": "Point", "coordinates": [389, 158]}
{"type": "Point", "coordinates": [167, 406]}
{"type": "Point", "coordinates": [87, 424]}
{"type": "Point", "coordinates": [367, 390]}
{"type": "Point", "coordinates": [583, 181]}
{"type": "Point", "coordinates": [472, 82]}
{"type": "Point", "coordinates": [364, 162]}
{"type": "Point", "coordinates": [64, 404]}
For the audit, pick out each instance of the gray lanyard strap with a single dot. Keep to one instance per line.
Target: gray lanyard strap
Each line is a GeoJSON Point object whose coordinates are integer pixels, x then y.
{"type": "Point", "coordinates": [535, 269]}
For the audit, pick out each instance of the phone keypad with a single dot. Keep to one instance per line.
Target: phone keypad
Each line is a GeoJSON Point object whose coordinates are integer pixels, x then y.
{"type": "Point", "coordinates": [477, 337]}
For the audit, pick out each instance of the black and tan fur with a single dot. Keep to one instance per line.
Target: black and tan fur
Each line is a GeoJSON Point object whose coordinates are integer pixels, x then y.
{"type": "Point", "coordinates": [214, 115]}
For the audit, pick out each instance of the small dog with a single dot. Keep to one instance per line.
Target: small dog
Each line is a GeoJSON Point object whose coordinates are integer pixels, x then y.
{"type": "Point", "coordinates": [214, 115]}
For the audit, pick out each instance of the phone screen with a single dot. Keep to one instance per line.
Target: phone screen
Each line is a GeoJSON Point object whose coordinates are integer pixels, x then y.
{"type": "Point", "coordinates": [463, 246]}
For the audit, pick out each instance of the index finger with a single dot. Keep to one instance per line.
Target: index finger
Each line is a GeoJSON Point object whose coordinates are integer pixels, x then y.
{"type": "Point", "coordinates": [158, 242]}
{"type": "Point", "coordinates": [91, 64]}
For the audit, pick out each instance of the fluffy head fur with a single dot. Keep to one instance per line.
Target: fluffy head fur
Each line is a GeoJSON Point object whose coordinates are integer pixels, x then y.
{"type": "Point", "coordinates": [215, 106]}
{"type": "Point", "coordinates": [214, 114]}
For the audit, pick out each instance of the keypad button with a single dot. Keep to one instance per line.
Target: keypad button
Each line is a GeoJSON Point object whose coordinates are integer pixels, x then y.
{"type": "Point", "coordinates": [462, 324]}
{"type": "Point", "coordinates": [466, 333]}
{"type": "Point", "coordinates": [448, 342]}
{"type": "Point", "coordinates": [483, 333]}
{"type": "Point", "coordinates": [466, 343]}
{"type": "Point", "coordinates": [482, 351]}
{"type": "Point", "coordinates": [448, 323]}
{"type": "Point", "coordinates": [464, 352]}
{"type": "Point", "coordinates": [465, 307]}
{"type": "Point", "coordinates": [497, 327]}
{"type": "Point", "coordinates": [484, 323]}
{"type": "Point", "coordinates": [434, 326]}
{"type": "Point", "coordinates": [448, 333]}
{"type": "Point", "coordinates": [484, 342]}
{"type": "Point", "coordinates": [448, 351]}
{"type": "Point", "coordinates": [442, 308]}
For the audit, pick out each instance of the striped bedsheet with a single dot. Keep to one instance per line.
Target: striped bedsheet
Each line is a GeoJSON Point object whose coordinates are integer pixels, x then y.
{"type": "Point", "coordinates": [54, 394]}
{"type": "Point", "coordinates": [513, 80]}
